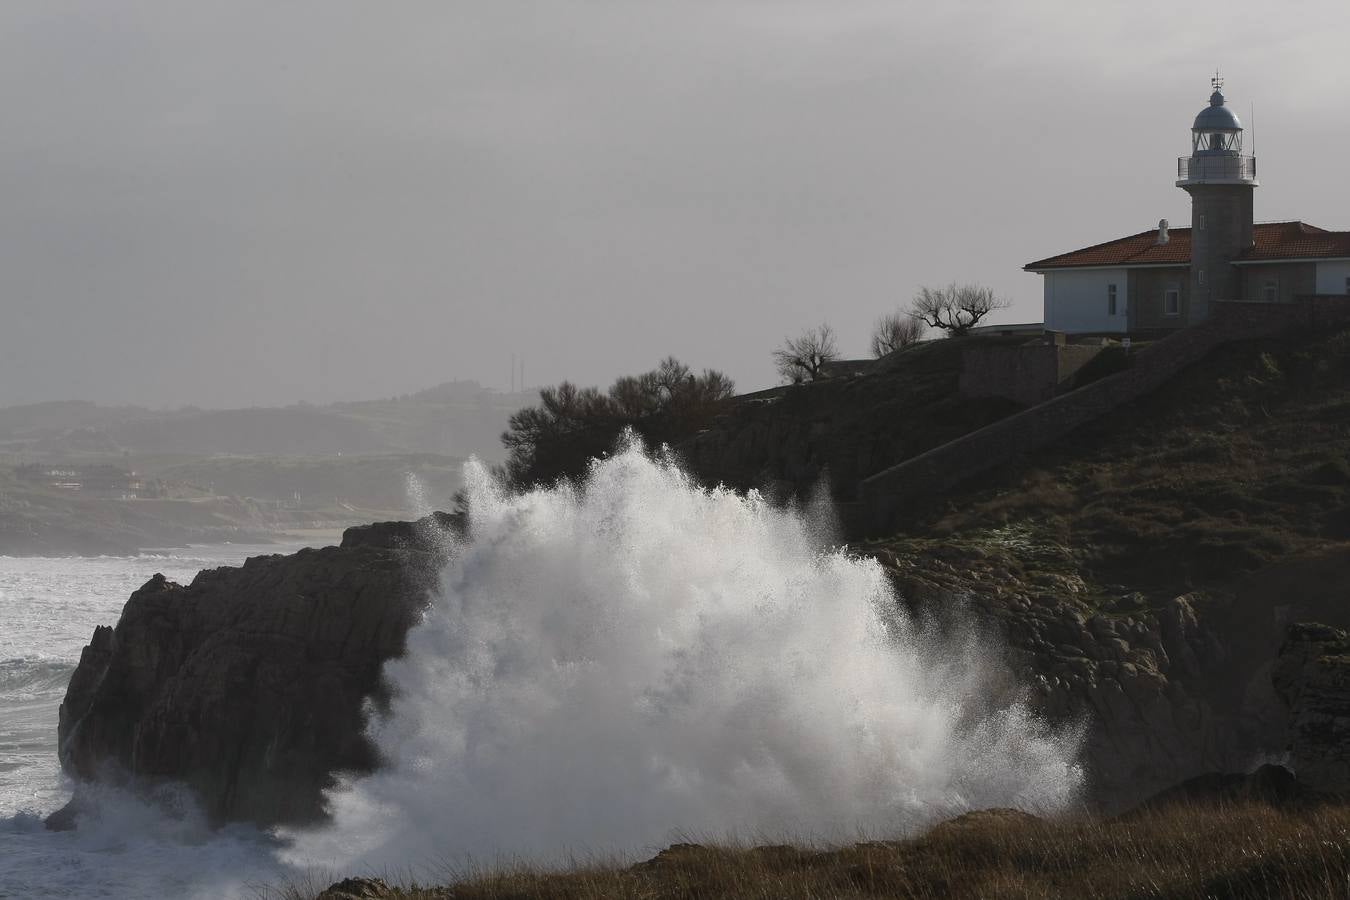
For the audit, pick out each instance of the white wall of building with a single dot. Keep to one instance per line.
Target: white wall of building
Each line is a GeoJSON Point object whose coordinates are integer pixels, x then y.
{"type": "Point", "coordinates": [1331, 277]}
{"type": "Point", "coordinates": [1076, 300]}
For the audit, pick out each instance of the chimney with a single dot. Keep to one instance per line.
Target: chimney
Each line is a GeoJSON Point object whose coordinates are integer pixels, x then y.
{"type": "Point", "coordinates": [1162, 231]}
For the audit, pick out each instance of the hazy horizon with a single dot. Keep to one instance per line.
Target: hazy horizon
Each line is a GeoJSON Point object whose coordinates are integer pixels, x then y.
{"type": "Point", "coordinates": [280, 402]}
{"type": "Point", "coordinates": [251, 204]}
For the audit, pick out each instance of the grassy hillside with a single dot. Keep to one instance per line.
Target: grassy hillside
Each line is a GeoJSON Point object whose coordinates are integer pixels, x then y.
{"type": "Point", "coordinates": [1242, 460]}
{"type": "Point", "coordinates": [841, 430]}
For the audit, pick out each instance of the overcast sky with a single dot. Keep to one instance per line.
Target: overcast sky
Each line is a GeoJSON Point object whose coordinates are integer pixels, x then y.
{"type": "Point", "coordinates": [242, 203]}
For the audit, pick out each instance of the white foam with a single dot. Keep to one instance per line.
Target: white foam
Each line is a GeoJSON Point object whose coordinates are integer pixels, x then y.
{"type": "Point", "coordinates": [135, 846]}
{"type": "Point", "coordinates": [613, 665]}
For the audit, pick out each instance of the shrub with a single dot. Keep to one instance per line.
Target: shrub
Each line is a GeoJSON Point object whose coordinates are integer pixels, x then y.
{"type": "Point", "coordinates": [572, 425]}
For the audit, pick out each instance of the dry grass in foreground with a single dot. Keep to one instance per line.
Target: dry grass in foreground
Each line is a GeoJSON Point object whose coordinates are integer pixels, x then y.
{"type": "Point", "coordinates": [1232, 851]}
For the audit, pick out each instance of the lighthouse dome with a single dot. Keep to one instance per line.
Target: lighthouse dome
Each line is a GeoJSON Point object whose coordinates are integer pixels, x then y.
{"type": "Point", "coordinates": [1216, 116]}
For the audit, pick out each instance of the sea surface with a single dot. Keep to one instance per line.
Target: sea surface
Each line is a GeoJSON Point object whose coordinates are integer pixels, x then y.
{"type": "Point", "coordinates": [48, 611]}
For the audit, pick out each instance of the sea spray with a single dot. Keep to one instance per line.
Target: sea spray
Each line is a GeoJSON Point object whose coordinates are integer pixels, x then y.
{"type": "Point", "coordinates": [618, 662]}
{"type": "Point", "coordinates": [416, 491]}
{"type": "Point", "coordinates": [128, 845]}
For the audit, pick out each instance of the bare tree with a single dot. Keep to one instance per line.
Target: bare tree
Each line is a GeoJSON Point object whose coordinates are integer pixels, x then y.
{"type": "Point", "coordinates": [895, 331]}
{"type": "Point", "coordinates": [955, 308]}
{"type": "Point", "coordinates": [802, 358]}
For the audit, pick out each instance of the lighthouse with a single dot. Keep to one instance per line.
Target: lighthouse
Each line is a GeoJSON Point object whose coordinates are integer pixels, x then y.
{"type": "Point", "coordinates": [1162, 279]}
{"type": "Point", "coordinates": [1220, 180]}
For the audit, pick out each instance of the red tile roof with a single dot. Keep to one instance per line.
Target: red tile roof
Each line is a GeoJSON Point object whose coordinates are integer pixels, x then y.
{"type": "Point", "coordinates": [1296, 240]}
{"type": "Point", "coordinates": [1270, 240]}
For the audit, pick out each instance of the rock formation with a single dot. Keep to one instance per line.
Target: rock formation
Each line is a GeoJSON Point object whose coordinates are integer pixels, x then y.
{"type": "Point", "coordinates": [251, 684]}
{"type": "Point", "coordinates": [1313, 677]}
{"type": "Point", "coordinates": [1167, 691]}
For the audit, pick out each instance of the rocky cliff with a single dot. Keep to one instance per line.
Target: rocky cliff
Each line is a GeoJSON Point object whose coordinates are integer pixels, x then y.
{"type": "Point", "coordinates": [250, 684]}
{"type": "Point", "coordinates": [1313, 678]}
{"type": "Point", "coordinates": [1166, 690]}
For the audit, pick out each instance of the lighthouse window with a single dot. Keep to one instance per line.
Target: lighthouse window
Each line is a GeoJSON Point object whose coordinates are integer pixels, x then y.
{"type": "Point", "coordinates": [1110, 299]}
{"type": "Point", "coordinates": [1347, 284]}
{"type": "Point", "coordinates": [1172, 302]}
{"type": "Point", "coordinates": [1200, 278]}
{"type": "Point", "coordinates": [1200, 222]}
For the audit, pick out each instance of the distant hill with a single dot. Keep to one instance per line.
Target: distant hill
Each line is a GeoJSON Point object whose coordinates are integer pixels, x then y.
{"type": "Point", "coordinates": [459, 418]}
{"type": "Point", "coordinates": [38, 420]}
{"type": "Point", "coordinates": [235, 474]}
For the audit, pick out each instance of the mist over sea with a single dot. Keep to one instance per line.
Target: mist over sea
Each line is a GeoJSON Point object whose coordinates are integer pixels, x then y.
{"type": "Point", "coordinates": [606, 667]}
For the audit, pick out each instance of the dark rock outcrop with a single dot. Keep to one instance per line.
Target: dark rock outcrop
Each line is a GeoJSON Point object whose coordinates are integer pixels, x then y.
{"type": "Point", "coordinates": [1270, 784]}
{"type": "Point", "coordinates": [251, 684]}
{"type": "Point", "coordinates": [358, 889]}
{"type": "Point", "coordinates": [1168, 689]}
{"type": "Point", "coordinates": [1313, 677]}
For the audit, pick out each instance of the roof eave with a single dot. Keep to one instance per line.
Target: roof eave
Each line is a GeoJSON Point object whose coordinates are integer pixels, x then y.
{"type": "Point", "coordinates": [1290, 259]}
{"type": "Point", "coordinates": [1041, 269]}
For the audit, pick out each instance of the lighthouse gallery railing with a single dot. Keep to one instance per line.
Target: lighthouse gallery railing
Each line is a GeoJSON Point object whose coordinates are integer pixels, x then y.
{"type": "Point", "coordinates": [1216, 168]}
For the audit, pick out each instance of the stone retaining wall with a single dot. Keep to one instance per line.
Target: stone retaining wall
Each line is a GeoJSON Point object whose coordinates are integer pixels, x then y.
{"type": "Point", "coordinates": [1027, 374]}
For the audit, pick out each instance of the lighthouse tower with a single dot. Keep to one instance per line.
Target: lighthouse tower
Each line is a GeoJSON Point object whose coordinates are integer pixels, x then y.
{"type": "Point", "coordinates": [1220, 180]}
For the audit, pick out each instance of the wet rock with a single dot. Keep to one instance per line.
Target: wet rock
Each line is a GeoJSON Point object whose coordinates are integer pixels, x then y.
{"type": "Point", "coordinates": [65, 818]}
{"type": "Point", "coordinates": [250, 684]}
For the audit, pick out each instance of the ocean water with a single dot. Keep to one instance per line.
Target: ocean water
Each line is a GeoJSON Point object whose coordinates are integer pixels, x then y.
{"type": "Point", "coordinates": [607, 667]}
{"type": "Point", "coordinates": [48, 610]}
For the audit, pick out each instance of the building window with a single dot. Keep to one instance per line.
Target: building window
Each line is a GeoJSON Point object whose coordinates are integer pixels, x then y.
{"type": "Point", "coordinates": [1200, 278]}
{"type": "Point", "coordinates": [1110, 299]}
{"type": "Point", "coordinates": [1347, 284]}
{"type": "Point", "coordinates": [1200, 222]}
{"type": "Point", "coordinates": [1270, 290]}
{"type": "Point", "coordinates": [1172, 301]}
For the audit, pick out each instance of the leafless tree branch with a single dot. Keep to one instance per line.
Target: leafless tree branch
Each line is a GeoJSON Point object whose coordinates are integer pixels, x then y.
{"type": "Point", "coordinates": [803, 358]}
{"type": "Point", "coordinates": [955, 308]}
